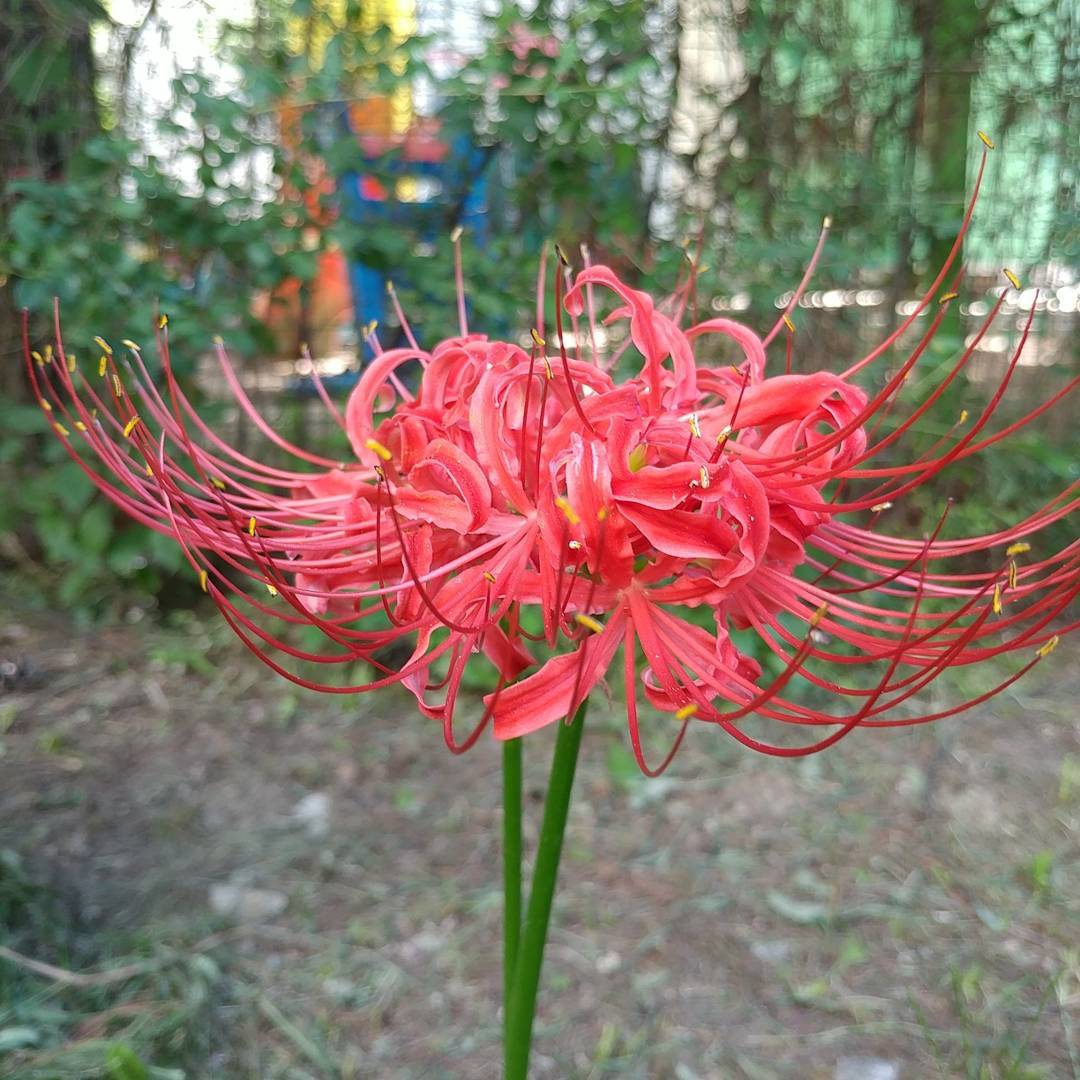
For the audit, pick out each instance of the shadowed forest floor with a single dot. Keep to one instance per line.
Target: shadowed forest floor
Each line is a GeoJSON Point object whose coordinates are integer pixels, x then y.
{"type": "Point", "coordinates": [309, 887]}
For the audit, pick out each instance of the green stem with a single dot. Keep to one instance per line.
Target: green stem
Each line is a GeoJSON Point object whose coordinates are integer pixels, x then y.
{"type": "Point", "coordinates": [521, 1004]}
{"type": "Point", "coordinates": [511, 863]}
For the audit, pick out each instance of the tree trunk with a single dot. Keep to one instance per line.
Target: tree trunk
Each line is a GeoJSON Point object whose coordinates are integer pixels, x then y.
{"type": "Point", "coordinates": [47, 110]}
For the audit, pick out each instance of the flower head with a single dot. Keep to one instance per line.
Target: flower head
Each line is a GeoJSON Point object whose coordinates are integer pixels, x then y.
{"type": "Point", "coordinates": [524, 502]}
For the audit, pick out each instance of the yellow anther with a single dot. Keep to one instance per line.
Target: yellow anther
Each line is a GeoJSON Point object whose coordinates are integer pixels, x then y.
{"type": "Point", "coordinates": [997, 598]}
{"type": "Point", "coordinates": [38, 358]}
{"type": "Point", "coordinates": [818, 615]}
{"type": "Point", "coordinates": [704, 474]}
{"type": "Point", "coordinates": [686, 711]}
{"type": "Point", "coordinates": [827, 222]}
{"type": "Point", "coordinates": [947, 297]}
{"type": "Point", "coordinates": [537, 339]}
{"type": "Point", "coordinates": [1047, 647]}
{"type": "Point", "coordinates": [695, 427]}
{"type": "Point", "coordinates": [547, 369]}
{"type": "Point", "coordinates": [1012, 574]}
{"type": "Point", "coordinates": [389, 287]}
{"type": "Point", "coordinates": [130, 426]}
{"type": "Point", "coordinates": [370, 328]}
{"type": "Point", "coordinates": [636, 460]}
{"type": "Point", "coordinates": [986, 140]}
{"type": "Point", "coordinates": [79, 425]}
{"type": "Point", "coordinates": [149, 471]}
{"type": "Point", "coordinates": [377, 447]}
{"type": "Point", "coordinates": [379, 473]}
{"type": "Point", "coordinates": [61, 430]}
{"type": "Point", "coordinates": [568, 511]}
{"type": "Point", "coordinates": [601, 514]}
{"type": "Point", "coordinates": [163, 321]}
{"type": "Point", "coordinates": [103, 345]}
{"type": "Point", "coordinates": [725, 434]}
{"type": "Point", "coordinates": [489, 576]}
{"type": "Point", "coordinates": [48, 354]}
{"type": "Point", "coordinates": [1017, 549]}
{"type": "Point", "coordinates": [71, 363]}
{"type": "Point", "coordinates": [44, 404]}
{"type": "Point", "coordinates": [118, 386]}
{"type": "Point", "coordinates": [788, 323]}
{"type": "Point", "coordinates": [963, 416]}
{"type": "Point", "coordinates": [589, 622]}
{"type": "Point", "coordinates": [1014, 281]}
{"type": "Point", "coordinates": [129, 344]}
{"type": "Point", "coordinates": [251, 526]}
{"type": "Point", "coordinates": [561, 255]}
{"type": "Point", "coordinates": [877, 508]}
{"type": "Point", "coordinates": [219, 484]}
{"type": "Point", "coordinates": [219, 341]}
{"type": "Point", "coordinates": [102, 366]}
{"type": "Point", "coordinates": [203, 581]}
{"type": "Point", "coordinates": [455, 234]}
{"type": "Point", "coordinates": [270, 589]}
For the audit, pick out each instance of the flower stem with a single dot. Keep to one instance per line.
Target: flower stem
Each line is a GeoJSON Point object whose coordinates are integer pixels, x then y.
{"type": "Point", "coordinates": [521, 1004]}
{"type": "Point", "coordinates": [511, 865]}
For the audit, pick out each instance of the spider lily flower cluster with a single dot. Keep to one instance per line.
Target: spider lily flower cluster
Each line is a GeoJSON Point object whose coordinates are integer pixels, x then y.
{"type": "Point", "coordinates": [516, 479]}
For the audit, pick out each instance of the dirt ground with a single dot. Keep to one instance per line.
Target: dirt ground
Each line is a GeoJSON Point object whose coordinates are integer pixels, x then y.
{"type": "Point", "coordinates": [904, 906]}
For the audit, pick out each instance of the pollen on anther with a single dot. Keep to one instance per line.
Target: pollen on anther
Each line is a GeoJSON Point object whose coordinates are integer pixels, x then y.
{"type": "Point", "coordinates": [102, 365]}
{"type": "Point", "coordinates": [1018, 548]}
{"type": "Point", "coordinates": [270, 589]}
{"type": "Point", "coordinates": [1012, 574]}
{"type": "Point", "coordinates": [163, 321]}
{"type": "Point", "coordinates": [788, 323]}
{"type": "Point", "coordinates": [118, 386]}
{"type": "Point", "coordinates": [601, 514]}
{"type": "Point", "coordinates": [537, 339]}
{"type": "Point", "coordinates": [704, 474]}
{"type": "Point", "coordinates": [568, 511]}
{"type": "Point", "coordinates": [595, 625]}
{"type": "Point", "coordinates": [1047, 647]}
{"type": "Point", "coordinates": [963, 416]}
{"type": "Point", "coordinates": [877, 508]}
{"type": "Point", "coordinates": [688, 710]}
{"type": "Point", "coordinates": [489, 576]}
{"type": "Point", "coordinates": [203, 581]}
{"type": "Point", "coordinates": [38, 358]}
{"type": "Point", "coordinates": [695, 427]}
{"type": "Point", "coordinates": [251, 526]}
{"type": "Point", "coordinates": [71, 363]}
{"type": "Point", "coordinates": [947, 297]}
{"type": "Point", "coordinates": [986, 140]}
{"type": "Point", "coordinates": [103, 345]}
{"type": "Point", "coordinates": [815, 619]}
{"type": "Point", "coordinates": [44, 404]}
{"type": "Point", "coordinates": [725, 434]}
{"type": "Point", "coordinates": [997, 599]}
{"type": "Point", "coordinates": [1014, 281]}
{"type": "Point", "coordinates": [219, 484]}
{"type": "Point", "coordinates": [129, 344]}
{"type": "Point", "coordinates": [130, 426]}
{"type": "Point", "coordinates": [61, 430]}
{"type": "Point", "coordinates": [377, 447]}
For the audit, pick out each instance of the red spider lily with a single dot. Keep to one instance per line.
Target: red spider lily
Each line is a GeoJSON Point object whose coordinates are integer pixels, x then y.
{"type": "Point", "coordinates": [518, 479]}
